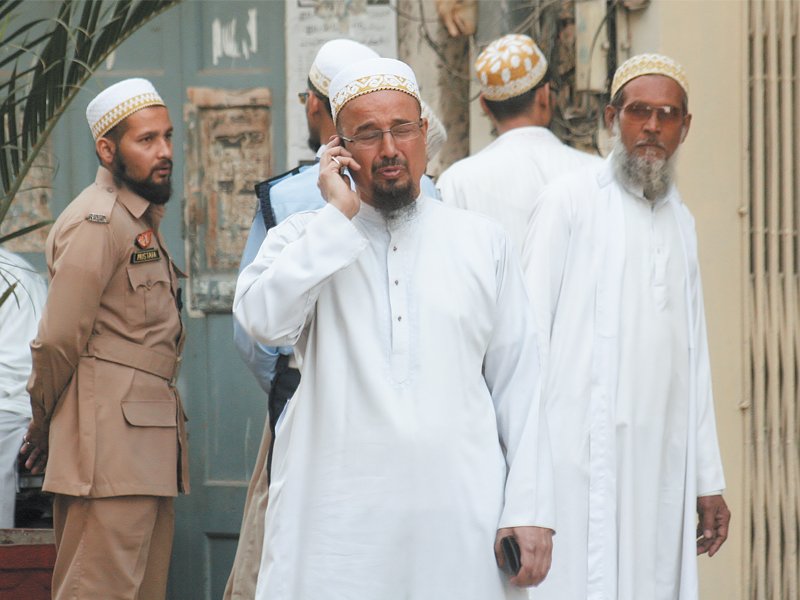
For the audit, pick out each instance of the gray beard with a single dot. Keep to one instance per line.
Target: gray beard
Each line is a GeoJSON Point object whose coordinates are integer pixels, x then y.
{"type": "Point", "coordinates": [392, 201]}
{"type": "Point", "coordinates": [653, 176]}
{"type": "Point", "coordinates": [399, 214]}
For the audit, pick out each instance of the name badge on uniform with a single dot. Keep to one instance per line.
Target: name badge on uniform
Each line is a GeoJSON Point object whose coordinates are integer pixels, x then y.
{"type": "Point", "coordinates": [143, 239]}
{"type": "Point", "coordinates": [144, 256]}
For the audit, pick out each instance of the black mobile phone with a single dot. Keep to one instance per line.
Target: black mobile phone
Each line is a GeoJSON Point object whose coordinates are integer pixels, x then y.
{"type": "Point", "coordinates": [510, 549]}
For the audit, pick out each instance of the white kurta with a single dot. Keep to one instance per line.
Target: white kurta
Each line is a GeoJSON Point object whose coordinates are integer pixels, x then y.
{"type": "Point", "coordinates": [504, 179]}
{"type": "Point", "coordinates": [19, 318]}
{"type": "Point", "coordinates": [416, 432]}
{"type": "Point", "coordinates": [616, 289]}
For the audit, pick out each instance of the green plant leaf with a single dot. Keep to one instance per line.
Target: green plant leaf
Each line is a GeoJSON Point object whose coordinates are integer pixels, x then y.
{"type": "Point", "coordinates": [7, 294]}
{"type": "Point", "coordinates": [24, 231]}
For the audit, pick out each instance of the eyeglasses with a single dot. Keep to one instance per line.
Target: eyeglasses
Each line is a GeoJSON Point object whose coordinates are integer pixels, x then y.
{"type": "Point", "coordinates": [641, 113]}
{"type": "Point", "coordinates": [403, 132]}
{"type": "Point", "coordinates": [303, 97]}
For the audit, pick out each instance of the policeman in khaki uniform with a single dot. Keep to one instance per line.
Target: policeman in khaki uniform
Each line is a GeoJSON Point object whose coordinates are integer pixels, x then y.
{"type": "Point", "coordinates": [107, 420]}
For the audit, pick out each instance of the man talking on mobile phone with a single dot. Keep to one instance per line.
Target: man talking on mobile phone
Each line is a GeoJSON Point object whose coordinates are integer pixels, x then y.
{"type": "Point", "coordinates": [415, 441]}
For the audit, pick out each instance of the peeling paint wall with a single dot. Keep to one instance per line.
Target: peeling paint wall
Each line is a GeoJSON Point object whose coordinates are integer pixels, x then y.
{"type": "Point", "coordinates": [228, 150]}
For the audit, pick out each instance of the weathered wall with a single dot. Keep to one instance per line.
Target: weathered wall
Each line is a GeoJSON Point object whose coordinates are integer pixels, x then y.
{"type": "Point", "coordinates": [441, 64]}
{"type": "Point", "coordinates": [228, 151]}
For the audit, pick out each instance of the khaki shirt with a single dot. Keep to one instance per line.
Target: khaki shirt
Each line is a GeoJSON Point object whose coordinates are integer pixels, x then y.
{"type": "Point", "coordinates": [107, 352]}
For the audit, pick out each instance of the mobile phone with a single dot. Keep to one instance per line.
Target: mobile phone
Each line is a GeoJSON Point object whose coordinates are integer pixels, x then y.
{"type": "Point", "coordinates": [340, 165]}
{"type": "Point", "coordinates": [510, 549]}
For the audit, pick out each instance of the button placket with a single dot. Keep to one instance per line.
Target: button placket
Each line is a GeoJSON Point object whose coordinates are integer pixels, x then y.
{"type": "Point", "coordinates": [398, 306]}
{"type": "Point", "coordinates": [660, 251]}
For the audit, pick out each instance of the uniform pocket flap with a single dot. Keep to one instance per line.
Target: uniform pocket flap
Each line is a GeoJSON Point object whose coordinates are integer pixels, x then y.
{"type": "Point", "coordinates": [150, 414]}
{"type": "Point", "coordinates": [147, 275]}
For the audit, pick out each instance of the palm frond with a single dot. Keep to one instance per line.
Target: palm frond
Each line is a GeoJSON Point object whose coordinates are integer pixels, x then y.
{"type": "Point", "coordinates": [7, 294]}
{"type": "Point", "coordinates": [24, 231]}
{"type": "Point", "coordinates": [6, 8]}
{"type": "Point", "coordinates": [50, 60]}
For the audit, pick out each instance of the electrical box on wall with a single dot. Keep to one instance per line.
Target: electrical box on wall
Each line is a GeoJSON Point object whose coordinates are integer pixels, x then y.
{"type": "Point", "coordinates": [591, 45]}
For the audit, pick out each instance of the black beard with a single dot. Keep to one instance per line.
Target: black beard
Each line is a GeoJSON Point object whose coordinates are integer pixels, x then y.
{"type": "Point", "coordinates": [389, 199]}
{"type": "Point", "coordinates": [313, 143]}
{"type": "Point", "coordinates": [155, 193]}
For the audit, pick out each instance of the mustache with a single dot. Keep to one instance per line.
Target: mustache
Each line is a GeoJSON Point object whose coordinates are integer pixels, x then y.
{"type": "Point", "coordinates": [651, 142]}
{"type": "Point", "coordinates": [162, 164]}
{"type": "Point", "coordinates": [394, 161]}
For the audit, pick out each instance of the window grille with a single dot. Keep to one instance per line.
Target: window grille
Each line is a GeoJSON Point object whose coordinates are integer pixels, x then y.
{"type": "Point", "coordinates": [772, 312]}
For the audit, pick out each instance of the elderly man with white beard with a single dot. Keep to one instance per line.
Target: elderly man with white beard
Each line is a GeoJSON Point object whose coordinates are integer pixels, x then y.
{"type": "Point", "coordinates": [611, 263]}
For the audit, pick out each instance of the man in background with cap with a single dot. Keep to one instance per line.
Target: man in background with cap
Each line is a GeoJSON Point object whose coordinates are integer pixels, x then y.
{"type": "Point", "coordinates": [414, 442]}
{"type": "Point", "coordinates": [504, 179]}
{"type": "Point", "coordinates": [275, 368]}
{"type": "Point", "coordinates": [611, 264]}
{"type": "Point", "coordinates": [107, 420]}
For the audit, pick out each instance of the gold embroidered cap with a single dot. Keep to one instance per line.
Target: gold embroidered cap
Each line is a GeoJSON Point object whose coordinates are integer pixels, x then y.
{"type": "Point", "coordinates": [649, 64]}
{"type": "Point", "coordinates": [119, 101]}
{"type": "Point", "coordinates": [332, 57]}
{"type": "Point", "coordinates": [510, 66]}
{"type": "Point", "coordinates": [371, 75]}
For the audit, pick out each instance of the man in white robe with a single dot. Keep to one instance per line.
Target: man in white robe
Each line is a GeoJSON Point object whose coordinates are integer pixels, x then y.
{"type": "Point", "coordinates": [19, 318]}
{"type": "Point", "coordinates": [414, 442]}
{"type": "Point", "coordinates": [274, 367]}
{"type": "Point", "coordinates": [504, 179]}
{"type": "Point", "coordinates": [611, 265]}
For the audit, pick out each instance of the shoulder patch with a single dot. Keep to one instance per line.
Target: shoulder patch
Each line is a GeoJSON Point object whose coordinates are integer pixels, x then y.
{"type": "Point", "coordinates": [96, 218]}
{"type": "Point", "coordinates": [100, 205]}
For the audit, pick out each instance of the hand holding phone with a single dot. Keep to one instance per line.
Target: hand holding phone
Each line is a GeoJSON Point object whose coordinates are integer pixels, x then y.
{"type": "Point", "coordinates": [511, 555]}
{"type": "Point", "coordinates": [524, 553]}
{"type": "Point", "coordinates": [333, 183]}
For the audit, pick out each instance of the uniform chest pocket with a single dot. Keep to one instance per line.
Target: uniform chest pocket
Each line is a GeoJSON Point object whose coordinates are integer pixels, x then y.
{"type": "Point", "coordinates": [150, 297]}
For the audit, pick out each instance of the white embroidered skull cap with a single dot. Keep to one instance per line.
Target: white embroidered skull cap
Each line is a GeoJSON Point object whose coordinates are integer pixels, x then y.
{"type": "Point", "coordinates": [649, 64]}
{"type": "Point", "coordinates": [117, 102]}
{"type": "Point", "coordinates": [371, 75]}
{"type": "Point", "coordinates": [332, 57]}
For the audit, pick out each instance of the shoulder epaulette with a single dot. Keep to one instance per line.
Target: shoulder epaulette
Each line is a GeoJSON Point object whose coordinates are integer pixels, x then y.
{"type": "Point", "coordinates": [101, 205]}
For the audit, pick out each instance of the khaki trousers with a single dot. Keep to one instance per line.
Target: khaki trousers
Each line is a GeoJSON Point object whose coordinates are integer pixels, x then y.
{"type": "Point", "coordinates": [112, 548]}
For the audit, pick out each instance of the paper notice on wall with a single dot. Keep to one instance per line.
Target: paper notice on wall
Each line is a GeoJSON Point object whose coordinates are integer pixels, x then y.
{"type": "Point", "coordinates": [311, 23]}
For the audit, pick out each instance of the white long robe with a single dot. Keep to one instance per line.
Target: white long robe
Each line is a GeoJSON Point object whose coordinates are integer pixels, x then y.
{"type": "Point", "coordinates": [19, 318]}
{"type": "Point", "coordinates": [505, 178]}
{"type": "Point", "coordinates": [416, 431]}
{"type": "Point", "coordinates": [616, 289]}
